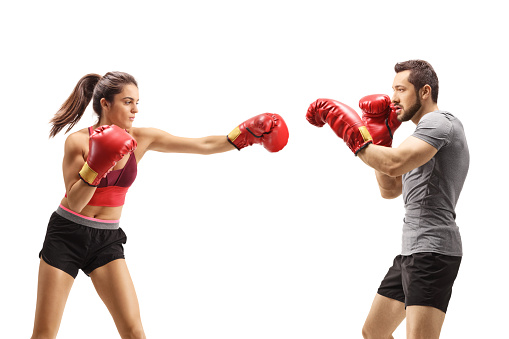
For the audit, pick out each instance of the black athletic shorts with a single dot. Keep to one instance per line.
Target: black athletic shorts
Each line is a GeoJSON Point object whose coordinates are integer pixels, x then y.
{"type": "Point", "coordinates": [423, 279]}
{"type": "Point", "coordinates": [75, 242]}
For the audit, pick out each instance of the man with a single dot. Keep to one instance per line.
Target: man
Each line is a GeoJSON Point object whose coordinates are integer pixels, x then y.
{"type": "Point", "coordinates": [429, 169]}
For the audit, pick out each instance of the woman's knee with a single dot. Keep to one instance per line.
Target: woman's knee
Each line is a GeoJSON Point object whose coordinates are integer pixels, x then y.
{"type": "Point", "coordinates": [135, 332]}
{"type": "Point", "coordinates": [369, 333]}
{"type": "Point", "coordinates": [43, 335]}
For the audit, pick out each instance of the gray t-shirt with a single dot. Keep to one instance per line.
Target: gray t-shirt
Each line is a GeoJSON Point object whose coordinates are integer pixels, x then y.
{"type": "Point", "coordinates": [431, 191]}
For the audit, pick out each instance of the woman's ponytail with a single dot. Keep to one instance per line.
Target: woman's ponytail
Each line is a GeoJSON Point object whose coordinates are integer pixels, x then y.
{"type": "Point", "coordinates": [73, 108]}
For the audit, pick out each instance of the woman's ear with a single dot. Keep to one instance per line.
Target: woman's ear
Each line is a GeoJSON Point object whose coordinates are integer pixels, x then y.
{"type": "Point", "coordinates": [104, 103]}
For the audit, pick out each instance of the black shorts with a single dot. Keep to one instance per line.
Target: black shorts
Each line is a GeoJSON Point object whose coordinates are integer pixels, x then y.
{"type": "Point", "coordinates": [423, 279]}
{"type": "Point", "coordinates": [75, 242]}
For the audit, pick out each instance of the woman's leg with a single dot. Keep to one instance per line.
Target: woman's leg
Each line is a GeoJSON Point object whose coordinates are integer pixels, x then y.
{"type": "Point", "coordinates": [114, 285]}
{"type": "Point", "coordinates": [52, 291]}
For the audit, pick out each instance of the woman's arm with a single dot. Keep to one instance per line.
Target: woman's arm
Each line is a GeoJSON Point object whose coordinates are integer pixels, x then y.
{"type": "Point", "coordinates": [153, 139]}
{"type": "Point", "coordinates": [266, 129]}
{"type": "Point", "coordinates": [78, 192]}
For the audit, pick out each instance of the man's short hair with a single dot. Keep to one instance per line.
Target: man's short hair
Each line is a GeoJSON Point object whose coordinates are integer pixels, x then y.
{"type": "Point", "coordinates": [421, 74]}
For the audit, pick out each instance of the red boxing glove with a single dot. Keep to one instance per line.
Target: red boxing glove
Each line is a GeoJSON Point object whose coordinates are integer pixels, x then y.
{"type": "Point", "coordinates": [343, 120]}
{"type": "Point", "coordinates": [380, 118]}
{"type": "Point", "coordinates": [107, 145]}
{"type": "Point", "coordinates": [267, 129]}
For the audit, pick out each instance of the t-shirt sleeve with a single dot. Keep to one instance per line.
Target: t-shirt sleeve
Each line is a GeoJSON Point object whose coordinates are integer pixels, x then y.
{"type": "Point", "coordinates": [434, 128]}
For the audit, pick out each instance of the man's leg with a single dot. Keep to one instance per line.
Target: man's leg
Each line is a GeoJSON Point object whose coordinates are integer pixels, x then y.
{"type": "Point", "coordinates": [384, 317]}
{"type": "Point", "coordinates": [428, 279]}
{"type": "Point", "coordinates": [424, 322]}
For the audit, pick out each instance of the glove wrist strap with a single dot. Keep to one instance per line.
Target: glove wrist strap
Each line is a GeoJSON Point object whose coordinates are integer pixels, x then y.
{"type": "Point", "coordinates": [88, 175]}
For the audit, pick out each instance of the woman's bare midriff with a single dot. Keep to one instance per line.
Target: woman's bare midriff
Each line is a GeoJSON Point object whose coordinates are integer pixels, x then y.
{"type": "Point", "coordinates": [97, 212]}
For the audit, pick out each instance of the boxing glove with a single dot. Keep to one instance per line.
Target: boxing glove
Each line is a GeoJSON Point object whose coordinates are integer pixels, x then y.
{"type": "Point", "coordinates": [380, 118]}
{"type": "Point", "coordinates": [107, 145]}
{"type": "Point", "coordinates": [267, 129]}
{"type": "Point", "coordinates": [343, 120]}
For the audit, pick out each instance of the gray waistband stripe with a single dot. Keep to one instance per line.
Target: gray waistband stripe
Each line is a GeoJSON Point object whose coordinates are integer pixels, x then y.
{"type": "Point", "coordinates": [87, 222]}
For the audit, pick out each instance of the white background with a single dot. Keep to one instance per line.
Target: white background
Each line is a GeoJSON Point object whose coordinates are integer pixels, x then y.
{"type": "Point", "coordinates": [251, 244]}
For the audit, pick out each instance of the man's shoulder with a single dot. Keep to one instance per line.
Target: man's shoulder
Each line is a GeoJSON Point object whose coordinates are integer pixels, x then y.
{"type": "Point", "coordinates": [439, 115]}
{"type": "Point", "coordinates": [436, 119]}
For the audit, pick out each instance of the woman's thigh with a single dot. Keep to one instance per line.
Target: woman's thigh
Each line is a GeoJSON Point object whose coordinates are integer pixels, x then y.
{"type": "Point", "coordinates": [114, 285]}
{"type": "Point", "coordinates": [52, 291]}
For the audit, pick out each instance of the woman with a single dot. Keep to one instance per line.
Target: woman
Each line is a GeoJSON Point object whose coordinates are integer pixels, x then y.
{"type": "Point", "coordinates": [99, 165]}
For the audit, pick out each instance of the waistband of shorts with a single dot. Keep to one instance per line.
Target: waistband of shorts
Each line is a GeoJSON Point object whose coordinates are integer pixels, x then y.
{"type": "Point", "coordinates": [87, 221]}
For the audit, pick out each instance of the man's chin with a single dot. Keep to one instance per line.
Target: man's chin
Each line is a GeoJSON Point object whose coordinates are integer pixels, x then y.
{"type": "Point", "coordinates": [402, 117]}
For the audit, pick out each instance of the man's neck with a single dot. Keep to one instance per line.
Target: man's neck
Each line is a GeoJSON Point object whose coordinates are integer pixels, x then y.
{"type": "Point", "coordinates": [425, 109]}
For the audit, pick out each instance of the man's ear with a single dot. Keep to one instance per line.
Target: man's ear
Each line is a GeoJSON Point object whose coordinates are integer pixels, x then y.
{"type": "Point", "coordinates": [425, 92]}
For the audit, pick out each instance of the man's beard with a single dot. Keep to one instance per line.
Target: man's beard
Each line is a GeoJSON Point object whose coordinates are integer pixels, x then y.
{"type": "Point", "coordinates": [410, 112]}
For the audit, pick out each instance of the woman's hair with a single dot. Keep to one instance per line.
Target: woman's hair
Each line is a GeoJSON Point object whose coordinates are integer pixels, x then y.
{"type": "Point", "coordinates": [421, 74]}
{"type": "Point", "coordinates": [91, 86]}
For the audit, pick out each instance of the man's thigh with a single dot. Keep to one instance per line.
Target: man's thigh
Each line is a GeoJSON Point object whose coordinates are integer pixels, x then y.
{"type": "Point", "coordinates": [428, 279]}
{"type": "Point", "coordinates": [424, 322]}
{"type": "Point", "coordinates": [384, 317]}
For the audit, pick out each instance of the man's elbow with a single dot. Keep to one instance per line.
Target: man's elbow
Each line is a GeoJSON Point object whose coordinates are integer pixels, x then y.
{"type": "Point", "coordinates": [393, 172]}
{"type": "Point", "coordinates": [390, 194]}
{"type": "Point", "coordinates": [393, 190]}
{"type": "Point", "coordinates": [393, 168]}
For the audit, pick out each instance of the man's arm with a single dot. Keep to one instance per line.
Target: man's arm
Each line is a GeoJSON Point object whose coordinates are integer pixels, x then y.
{"type": "Point", "coordinates": [390, 187]}
{"type": "Point", "coordinates": [391, 163]}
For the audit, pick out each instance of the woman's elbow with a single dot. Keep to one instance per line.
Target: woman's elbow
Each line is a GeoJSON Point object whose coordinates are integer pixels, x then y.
{"type": "Point", "coordinates": [75, 207]}
{"type": "Point", "coordinates": [75, 204]}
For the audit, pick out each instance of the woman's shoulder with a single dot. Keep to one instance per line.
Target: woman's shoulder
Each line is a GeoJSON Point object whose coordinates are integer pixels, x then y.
{"type": "Point", "coordinates": [77, 139]}
{"type": "Point", "coordinates": [81, 134]}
